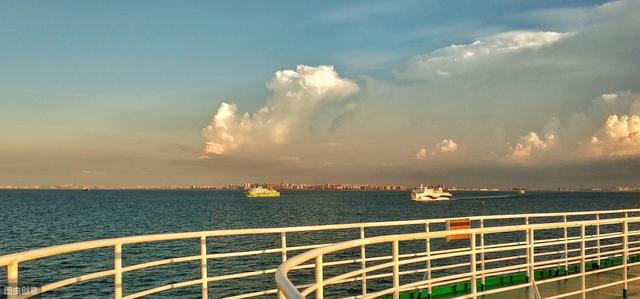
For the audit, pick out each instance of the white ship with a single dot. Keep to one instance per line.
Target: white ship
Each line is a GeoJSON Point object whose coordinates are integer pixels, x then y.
{"type": "Point", "coordinates": [261, 192]}
{"type": "Point", "coordinates": [429, 193]}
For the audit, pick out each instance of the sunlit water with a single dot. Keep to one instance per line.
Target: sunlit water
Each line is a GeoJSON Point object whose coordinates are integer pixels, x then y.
{"type": "Point", "coordinates": [31, 219]}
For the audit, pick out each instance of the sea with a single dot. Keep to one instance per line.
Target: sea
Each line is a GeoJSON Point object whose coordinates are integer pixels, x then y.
{"type": "Point", "coordinates": [38, 218]}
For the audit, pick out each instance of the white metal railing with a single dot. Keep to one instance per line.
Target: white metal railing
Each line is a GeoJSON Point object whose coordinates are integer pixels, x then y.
{"type": "Point", "coordinates": [285, 249]}
{"type": "Point", "coordinates": [537, 252]}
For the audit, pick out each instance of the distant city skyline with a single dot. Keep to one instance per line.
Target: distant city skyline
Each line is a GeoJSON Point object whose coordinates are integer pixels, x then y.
{"type": "Point", "coordinates": [311, 186]}
{"type": "Point", "coordinates": [538, 94]}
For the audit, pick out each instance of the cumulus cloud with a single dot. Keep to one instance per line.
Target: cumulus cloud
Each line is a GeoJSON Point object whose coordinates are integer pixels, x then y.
{"type": "Point", "coordinates": [531, 144]}
{"type": "Point", "coordinates": [610, 126]}
{"type": "Point", "coordinates": [443, 147]}
{"type": "Point", "coordinates": [297, 95]}
{"type": "Point", "coordinates": [446, 61]}
{"type": "Point", "coordinates": [607, 128]}
{"type": "Point", "coordinates": [446, 146]}
{"type": "Point", "coordinates": [619, 136]}
{"type": "Point", "coordinates": [609, 97]}
{"type": "Point", "coordinates": [422, 154]}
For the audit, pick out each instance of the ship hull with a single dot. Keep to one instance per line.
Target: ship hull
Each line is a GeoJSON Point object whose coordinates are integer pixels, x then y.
{"type": "Point", "coordinates": [262, 195]}
{"type": "Point", "coordinates": [430, 197]}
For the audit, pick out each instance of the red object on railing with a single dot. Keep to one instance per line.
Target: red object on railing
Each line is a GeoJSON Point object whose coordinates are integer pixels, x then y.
{"type": "Point", "coordinates": [455, 224]}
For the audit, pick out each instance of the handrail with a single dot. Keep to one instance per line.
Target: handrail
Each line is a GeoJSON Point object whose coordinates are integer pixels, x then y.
{"type": "Point", "coordinates": [291, 291]}
{"type": "Point", "coordinates": [12, 261]}
{"type": "Point", "coordinates": [85, 245]}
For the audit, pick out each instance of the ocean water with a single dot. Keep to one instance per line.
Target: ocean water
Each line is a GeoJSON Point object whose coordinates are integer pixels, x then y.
{"type": "Point", "coordinates": [31, 219]}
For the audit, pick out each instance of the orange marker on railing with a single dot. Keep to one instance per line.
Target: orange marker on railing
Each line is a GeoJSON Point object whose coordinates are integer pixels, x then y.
{"type": "Point", "coordinates": [456, 224]}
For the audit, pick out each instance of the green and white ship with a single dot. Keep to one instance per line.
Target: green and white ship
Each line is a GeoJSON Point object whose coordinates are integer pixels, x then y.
{"type": "Point", "coordinates": [261, 192]}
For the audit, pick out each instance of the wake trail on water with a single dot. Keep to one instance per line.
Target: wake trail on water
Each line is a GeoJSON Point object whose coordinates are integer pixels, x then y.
{"type": "Point", "coordinates": [487, 196]}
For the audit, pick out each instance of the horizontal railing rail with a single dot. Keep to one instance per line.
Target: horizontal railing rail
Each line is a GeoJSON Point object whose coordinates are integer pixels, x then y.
{"type": "Point", "coordinates": [283, 249]}
{"type": "Point", "coordinates": [476, 268]}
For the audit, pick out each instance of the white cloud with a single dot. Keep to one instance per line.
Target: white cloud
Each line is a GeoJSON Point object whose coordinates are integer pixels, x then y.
{"type": "Point", "coordinates": [446, 146]}
{"type": "Point", "coordinates": [446, 61]}
{"type": "Point", "coordinates": [624, 128]}
{"type": "Point", "coordinates": [297, 95]}
{"type": "Point", "coordinates": [609, 97]}
{"type": "Point", "coordinates": [422, 154]}
{"type": "Point", "coordinates": [530, 144]}
{"type": "Point", "coordinates": [612, 126]}
{"type": "Point", "coordinates": [618, 136]}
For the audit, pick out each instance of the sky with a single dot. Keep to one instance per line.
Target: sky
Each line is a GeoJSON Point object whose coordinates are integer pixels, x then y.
{"type": "Point", "coordinates": [467, 93]}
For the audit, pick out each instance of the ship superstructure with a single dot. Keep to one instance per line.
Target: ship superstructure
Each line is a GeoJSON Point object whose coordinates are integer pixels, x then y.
{"type": "Point", "coordinates": [430, 193]}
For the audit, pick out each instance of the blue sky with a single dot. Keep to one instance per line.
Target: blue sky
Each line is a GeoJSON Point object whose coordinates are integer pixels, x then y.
{"type": "Point", "coordinates": [119, 92]}
{"type": "Point", "coordinates": [168, 45]}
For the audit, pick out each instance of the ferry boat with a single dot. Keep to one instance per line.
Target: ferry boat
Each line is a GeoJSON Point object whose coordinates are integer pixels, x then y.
{"type": "Point", "coordinates": [429, 193]}
{"type": "Point", "coordinates": [262, 192]}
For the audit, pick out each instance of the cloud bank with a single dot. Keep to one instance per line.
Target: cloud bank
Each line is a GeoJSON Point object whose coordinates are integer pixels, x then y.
{"type": "Point", "coordinates": [450, 60]}
{"type": "Point", "coordinates": [297, 95]}
{"type": "Point", "coordinates": [555, 97]}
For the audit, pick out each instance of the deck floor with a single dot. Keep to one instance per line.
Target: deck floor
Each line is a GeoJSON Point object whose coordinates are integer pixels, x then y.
{"type": "Point", "coordinates": [569, 285]}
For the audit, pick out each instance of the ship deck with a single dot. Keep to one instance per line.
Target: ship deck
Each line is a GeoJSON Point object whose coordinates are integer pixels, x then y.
{"type": "Point", "coordinates": [546, 290]}
{"type": "Point", "coordinates": [573, 284]}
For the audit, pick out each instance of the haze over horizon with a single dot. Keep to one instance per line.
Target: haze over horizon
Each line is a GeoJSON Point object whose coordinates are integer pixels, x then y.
{"type": "Point", "coordinates": [492, 93]}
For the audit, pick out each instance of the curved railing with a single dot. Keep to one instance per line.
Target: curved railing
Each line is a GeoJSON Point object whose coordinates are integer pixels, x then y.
{"type": "Point", "coordinates": [529, 255]}
{"type": "Point", "coordinates": [289, 241]}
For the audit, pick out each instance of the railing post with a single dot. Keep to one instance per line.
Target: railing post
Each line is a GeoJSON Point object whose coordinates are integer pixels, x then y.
{"type": "Point", "coordinates": [319, 278]}
{"type": "Point", "coordinates": [531, 270]}
{"type": "Point", "coordinates": [566, 246]}
{"type": "Point", "coordinates": [428, 252]}
{"type": "Point", "coordinates": [117, 267]}
{"type": "Point", "coordinates": [625, 257]}
{"type": "Point", "coordinates": [598, 238]}
{"type": "Point", "coordinates": [529, 257]}
{"type": "Point", "coordinates": [583, 270]}
{"type": "Point", "coordinates": [482, 283]}
{"type": "Point", "coordinates": [203, 266]}
{"type": "Point", "coordinates": [363, 262]}
{"type": "Point", "coordinates": [283, 247]}
{"type": "Point", "coordinates": [474, 286]}
{"type": "Point", "coordinates": [12, 280]}
{"type": "Point", "coordinates": [396, 269]}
